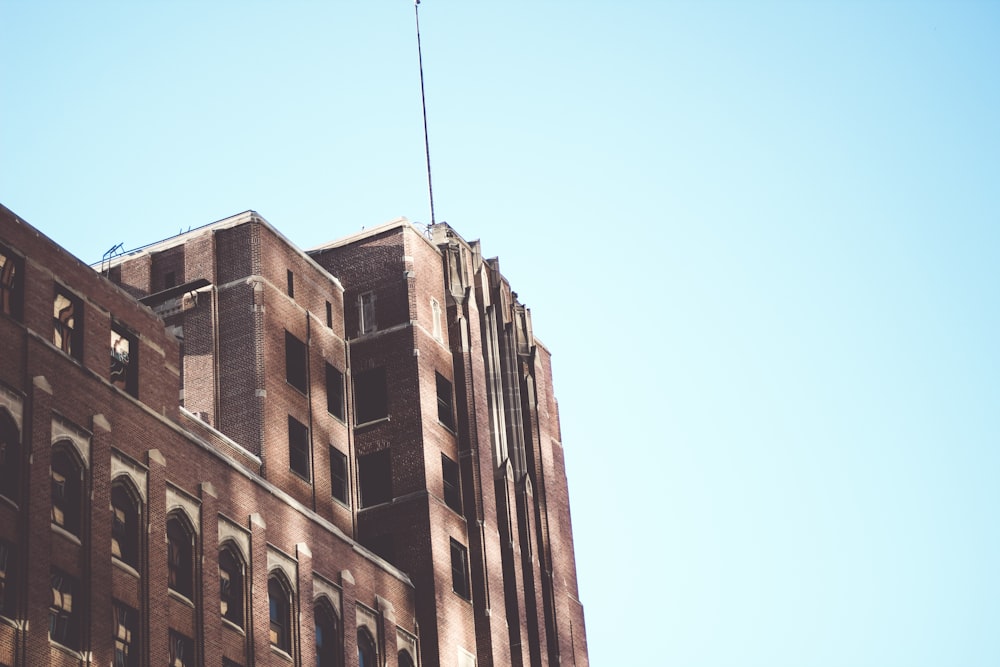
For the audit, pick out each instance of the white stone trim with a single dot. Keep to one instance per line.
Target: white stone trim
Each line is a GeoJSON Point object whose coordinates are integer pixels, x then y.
{"type": "Point", "coordinates": [120, 466]}
{"type": "Point", "coordinates": [279, 560]}
{"type": "Point", "coordinates": [80, 439]}
{"type": "Point", "coordinates": [15, 405]}
{"type": "Point", "coordinates": [230, 531]}
{"type": "Point", "coordinates": [325, 589]}
{"type": "Point", "coordinates": [177, 499]}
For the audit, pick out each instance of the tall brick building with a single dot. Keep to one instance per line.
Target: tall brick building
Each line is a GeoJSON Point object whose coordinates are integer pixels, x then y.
{"type": "Point", "coordinates": [222, 450]}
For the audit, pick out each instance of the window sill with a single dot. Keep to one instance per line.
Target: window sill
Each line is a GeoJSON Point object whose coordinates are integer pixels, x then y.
{"type": "Point", "coordinates": [371, 423]}
{"type": "Point", "coordinates": [180, 597]}
{"type": "Point", "coordinates": [226, 623]}
{"type": "Point", "coordinates": [122, 565]}
{"type": "Point", "coordinates": [300, 476]}
{"type": "Point", "coordinates": [77, 655]}
{"type": "Point", "coordinates": [280, 653]}
{"type": "Point", "coordinates": [450, 429]}
{"type": "Point", "coordinates": [9, 501]}
{"type": "Point", "coordinates": [59, 530]}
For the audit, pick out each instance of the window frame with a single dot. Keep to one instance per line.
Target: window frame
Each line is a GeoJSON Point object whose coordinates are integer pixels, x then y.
{"type": "Point", "coordinates": [279, 603]}
{"type": "Point", "coordinates": [180, 556]}
{"type": "Point", "coordinates": [367, 648]}
{"type": "Point", "coordinates": [340, 479]}
{"type": "Point", "coordinates": [11, 283]}
{"type": "Point", "coordinates": [9, 579]}
{"type": "Point", "coordinates": [445, 393]}
{"type": "Point", "coordinates": [371, 396]}
{"type": "Point", "coordinates": [129, 364]}
{"type": "Point", "coordinates": [179, 646]}
{"type": "Point", "coordinates": [126, 531]}
{"type": "Point", "coordinates": [335, 392]}
{"type": "Point", "coordinates": [375, 478]}
{"type": "Point", "coordinates": [10, 448]}
{"type": "Point", "coordinates": [67, 489]}
{"type": "Point", "coordinates": [460, 570]}
{"type": "Point", "coordinates": [127, 648]}
{"type": "Point", "coordinates": [67, 329]}
{"type": "Point", "coordinates": [367, 317]}
{"type": "Point", "coordinates": [299, 460]}
{"type": "Point", "coordinates": [328, 655]}
{"type": "Point", "coordinates": [296, 363]}
{"type": "Point", "coordinates": [232, 607]}
{"type": "Point", "coordinates": [451, 478]}
{"type": "Point", "coordinates": [64, 617]}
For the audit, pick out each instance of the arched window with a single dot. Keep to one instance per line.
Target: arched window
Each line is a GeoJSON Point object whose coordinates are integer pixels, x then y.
{"type": "Point", "coordinates": [67, 486]}
{"type": "Point", "coordinates": [10, 457]}
{"type": "Point", "coordinates": [329, 650]}
{"type": "Point", "coordinates": [280, 603]}
{"type": "Point", "coordinates": [404, 659]}
{"type": "Point", "coordinates": [180, 556]}
{"type": "Point", "coordinates": [124, 525]}
{"type": "Point", "coordinates": [231, 587]}
{"type": "Point", "coordinates": [367, 655]}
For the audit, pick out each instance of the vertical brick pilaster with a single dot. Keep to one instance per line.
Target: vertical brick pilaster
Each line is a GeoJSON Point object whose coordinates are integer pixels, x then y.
{"type": "Point", "coordinates": [155, 611]}
{"type": "Point", "coordinates": [307, 624]}
{"type": "Point", "coordinates": [210, 610]}
{"type": "Point", "coordinates": [100, 543]}
{"type": "Point", "coordinates": [39, 564]}
{"type": "Point", "coordinates": [349, 602]}
{"type": "Point", "coordinates": [387, 628]}
{"type": "Point", "coordinates": [259, 617]}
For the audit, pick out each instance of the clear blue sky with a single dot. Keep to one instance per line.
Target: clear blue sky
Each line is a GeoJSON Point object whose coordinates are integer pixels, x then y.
{"type": "Point", "coordinates": [761, 239]}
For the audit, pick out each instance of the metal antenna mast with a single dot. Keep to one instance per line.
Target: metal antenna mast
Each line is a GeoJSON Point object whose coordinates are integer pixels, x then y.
{"type": "Point", "coordinates": [423, 104]}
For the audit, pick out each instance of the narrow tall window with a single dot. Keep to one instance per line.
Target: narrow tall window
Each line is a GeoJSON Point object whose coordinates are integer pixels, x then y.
{"type": "Point", "coordinates": [279, 602]}
{"type": "Point", "coordinates": [367, 654]}
{"type": "Point", "coordinates": [10, 457]}
{"type": "Point", "coordinates": [8, 579]}
{"type": "Point", "coordinates": [124, 526]}
{"type": "Point", "coordinates": [335, 392]}
{"type": "Point", "coordinates": [64, 616]}
{"type": "Point", "coordinates": [67, 499]}
{"type": "Point", "coordinates": [329, 315]}
{"type": "Point", "coordinates": [67, 323]}
{"type": "Point", "coordinates": [460, 570]}
{"type": "Point", "coordinates": [338, 475]}
{"type": "Point", "coordinates": [291, 284]}
{"type": "Point", "coordinates": [231, 589]}
{"type": "Point", "coordinates": [375, 478]}
{"type": "Point", "coordinates": [366, 312]}
{"type": "Point", "coordinates": [180, 558]}
{"type": "Point", "coordinates": [11, 283]}
{"type": "Point", "coordinates": [328, 643]}
{"type": "Point", "coordinates": [436, 318]}
{"type": "Point", "coordinates": [126, 635]}
{"type": "Point", "coordinates": [452, 484]}
{"type": "Point", "coordinates": [371, 401]}
{"type": "Point", "coordinates": [298, 448]}
{"type": "Point", "coordinates": [181, 651]}
{"type": "Point", "coordinates": [295, 362]}
{"type": "Point", "coordinates": [446, 414]}
{"type": "Point", "coordinates": [124, 360]}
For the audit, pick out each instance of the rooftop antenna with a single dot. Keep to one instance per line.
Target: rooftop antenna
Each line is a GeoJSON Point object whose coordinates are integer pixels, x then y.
{"type": "Point", "coordinates": [423, 105]}
{"type": "Point", "coordinates": [112, 252]}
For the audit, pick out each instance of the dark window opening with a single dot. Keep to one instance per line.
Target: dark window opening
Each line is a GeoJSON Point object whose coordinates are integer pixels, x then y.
{"type": "Point", "coordinates": [66, 490]}
{"type": "Point", "coordinates": [8, 579]}
{"type": "Point", "coordinates": [231, 589]}
{"type": "Point", "coordinates": [298, 448]}
{"type": "Point", "coordinates": [226, 662]}
{"type": "Point", "coordinates": [366, 312]}
{"type": "Point", "coordinates": [10, 457]}
{"type": "Point", "coordinates": [280, 604]}
{"type": "Point", "coordinates": [371, 401]}
{"type": "Point", "coordinates": [124, 360]}
{"type": "Point", "coordinates": [291, 283]}
{"type": "Point", "coordinates": [335, 392]}
{"type": "Point", "coordinates": [64, 611]}
{"type": "Point", "coordinates": [367, 654]}
{"type": "Point", "coordinates": [124, 526]}
{"type": "Point", "coordinates": [181, 650]}
{"type": "Point", "coordinates": [328, 642]}
{"type": "Point", "coordinates": [460, 570]}
{"type": "Point", "coordinates": [125, 622]}
{"type": "Point", "coordinates": [180, 558]}
{"type": "Point", "coordinates": [338, 475]}
{"type": "Point", "coordinates": [67, 323]}
{"type": "Point", "coordinates": [11, 283]}
{"type": "Point", "coordinates": [295, 362]}
{"type": "Point", "coordinates": [404, 659]}
{"type": "Point", "coordinates": [169, 280]}
{"type": "Point", "coordinates": [329, 315]}
{"type": "Point", "coordinates": [383, 546]}
{"type": "Point", "coordinates": [452, 484]}
{"type": "Point", "coordinates": [375, 478]}
{"type": "Point", "coordinates": [444, 399]}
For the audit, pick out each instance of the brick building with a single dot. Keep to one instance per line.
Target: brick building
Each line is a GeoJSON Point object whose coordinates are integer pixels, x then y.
{"type": "Point", "coordinates": [346, 456]}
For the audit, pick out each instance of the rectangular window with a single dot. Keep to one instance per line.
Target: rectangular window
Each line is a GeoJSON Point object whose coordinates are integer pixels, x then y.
{"type": "Point", "coordinates": [126, 636]}
{"type": "Point", "coordinates": [295, 362]}
{"type": "Point", "coordinates": [375, 478]}
{"type": "Point", "coordinates": [67, 323]}
{"type": "Point", "coordinates": [460, 570]}
{"type": "Point", "coordinates": [446, 413]}
{"type": "Point", "coordinates": [335, 392]}
{"type": "Point", "coordinates": [338, 475]}
{"type": "Point", "coordinates": [366, 312]}
{"type": "Point", "coordinates": [181, 651]}
{"type": "Point", "coordinates": [329, 315]}
{"type": "Point", "coordinates": [63, 616]}
{"type": "Point", "coordinates": [11, 283]}
{"type": "Point", "coordinates": [370, 399]}
{"type": "Point", "coordinates": [452, 484]}
{"type": "Point", "coordinates": [298, 448]}
{"type": "Point", "coordinates": [124, 360]}
{"type": "Point", "coordinates": [436, 318]}
{"type": "Point", "coordinates": [8, 579]}
{"type": "Point", "coordinates": [291, 284]}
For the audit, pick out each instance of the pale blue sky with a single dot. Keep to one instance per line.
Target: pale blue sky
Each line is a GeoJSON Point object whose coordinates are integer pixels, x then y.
{"type": "Point", "coordinates": [760, 238]}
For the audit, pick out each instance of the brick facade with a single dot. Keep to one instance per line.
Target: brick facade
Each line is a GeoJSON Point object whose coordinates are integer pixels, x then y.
{"type": "Point", "coordinates": [254, 361]}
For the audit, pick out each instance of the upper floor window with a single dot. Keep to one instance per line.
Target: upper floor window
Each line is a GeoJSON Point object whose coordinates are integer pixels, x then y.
{"type": "Point", "coordinates": [180, 557]}
{"type": "Point", "coordinates": [8, 579]}
{"type": "Point", "coordinates": [231, 589]}
{"type": "Point", "coordinates": [291, 283]}
{"type": "Point", "coordinates": [367, 653]}
{"type": "Point", "coordinates": [375, 478]}
{"type": "Point", "coordinates": [10, 456]}
{"type": "Point", "coordinates": [295, 362]}
{"type": "Point", "coordinates": [11, 283]}
{"type": "Point", "coordinates": [67, 323]}
{"type": "Point", "coordinates": [338, 475]}
{"type": "Point", "coordinates": [446, 413]}
{"type": "Point", "coordinates": [64, 611]}
{"type": "Point", "coordinates": [124, 359]}
{"type": "Point", "coordinates": [366, 313]}
{"type": "Point", "coordinates": [181, 651]}
{"type": "Point", "coordinates": [404, 659]}
{"type": "Point", "coordinates": [279, 602]}
{"type": "Point", "coordinates": [67, 487]}
{"type": "Point", "coordinates": [124, 525]}
{"type": "Point", "coordinates": [328, 642]}
{"type": "Point", "coordinates": [335, 392]}
{"type": "Point", "coordinates": [460, 570]}
{"type": "Point", "coordinates": [298, 448]}
{"type": "Point", "coordinates": [436, 318]}
{"type": "Point", "coordinates": [329, 315]}
{"type": "Point", "coordinates": [371, 401]}
{"type": "Point", "coordinates": [452, 484]}
{"type": "Point", "coordinates": [125, 620]}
